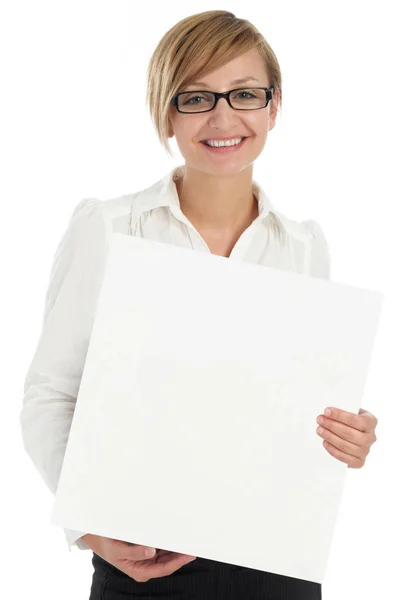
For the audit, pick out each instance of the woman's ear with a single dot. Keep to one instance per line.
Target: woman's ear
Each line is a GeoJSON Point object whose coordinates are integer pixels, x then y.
{"type": "Point", "coordinates": [274, 107]}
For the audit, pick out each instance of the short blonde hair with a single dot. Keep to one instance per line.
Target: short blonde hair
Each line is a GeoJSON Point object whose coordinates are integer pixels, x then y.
{"type": "Point", "coordinates": [215, 37]}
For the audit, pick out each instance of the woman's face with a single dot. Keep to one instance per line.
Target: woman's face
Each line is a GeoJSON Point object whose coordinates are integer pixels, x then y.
{"type": "Point", "coordinates": [223, 121]}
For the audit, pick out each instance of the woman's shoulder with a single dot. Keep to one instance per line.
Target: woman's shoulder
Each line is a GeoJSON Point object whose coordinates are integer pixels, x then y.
{"type": "Point", "coordinates": [307, 237]}
{"type": "Point", "coordinates": [301, 230]}
{"type": "Point", "coordinates": [319, 251]}
{"type": "Point", "coordinates": [113, 212]}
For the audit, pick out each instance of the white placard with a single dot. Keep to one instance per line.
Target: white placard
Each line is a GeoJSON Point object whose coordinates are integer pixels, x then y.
{"type": "Point", "coordinates": [195, 424]}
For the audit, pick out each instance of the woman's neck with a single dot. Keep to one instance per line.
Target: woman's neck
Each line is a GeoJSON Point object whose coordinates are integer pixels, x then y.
{"type": "Point", "coordinates": [218, 205]}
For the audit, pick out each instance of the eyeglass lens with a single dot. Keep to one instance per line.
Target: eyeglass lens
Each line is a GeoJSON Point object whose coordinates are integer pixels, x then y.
{"type": "Point", "coordinates": [244, 99]}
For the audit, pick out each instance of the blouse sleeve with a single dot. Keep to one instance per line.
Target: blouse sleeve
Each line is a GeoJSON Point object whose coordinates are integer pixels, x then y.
{"type": "Point", "coordinates": [53, 378]}
{"type": "Point", "coordinates": [319, 254]}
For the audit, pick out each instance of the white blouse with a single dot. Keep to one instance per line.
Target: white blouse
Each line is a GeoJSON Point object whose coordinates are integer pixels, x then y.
{"type": "Point", "coordinates": [53, 378]}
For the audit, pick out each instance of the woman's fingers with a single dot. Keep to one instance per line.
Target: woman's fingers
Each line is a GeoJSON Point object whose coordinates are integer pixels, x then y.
{"type": "Point", "coordinates": [130, 551]}
{"type": "Point", "coordinates": [159, 566]}
{"type": "Point", "coordinates": [133, 561]}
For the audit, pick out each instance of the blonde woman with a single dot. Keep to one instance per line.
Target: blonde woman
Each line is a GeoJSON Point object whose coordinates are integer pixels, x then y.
{"type": "Point", "coordinates": [215, 84]}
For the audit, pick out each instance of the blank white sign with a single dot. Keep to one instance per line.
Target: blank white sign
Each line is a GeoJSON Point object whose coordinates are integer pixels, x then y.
{"type": "Point", "coordinates": [195, 424]}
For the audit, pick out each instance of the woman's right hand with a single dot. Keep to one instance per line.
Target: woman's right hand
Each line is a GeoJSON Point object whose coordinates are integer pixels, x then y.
{"type": "Point", "coordinates": [132, 558]}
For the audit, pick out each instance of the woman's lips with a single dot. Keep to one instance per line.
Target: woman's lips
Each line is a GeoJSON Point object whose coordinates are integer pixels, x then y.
{"type": "Point", "coordinates": [225, 149]}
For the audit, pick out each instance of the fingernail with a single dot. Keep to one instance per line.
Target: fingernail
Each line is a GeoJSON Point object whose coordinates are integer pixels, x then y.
{"type": "Point", "coordinates": [150, 551]}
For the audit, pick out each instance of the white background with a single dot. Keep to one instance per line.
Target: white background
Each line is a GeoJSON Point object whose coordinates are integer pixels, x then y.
{"type": "Point", "coordinates": [74, 124]}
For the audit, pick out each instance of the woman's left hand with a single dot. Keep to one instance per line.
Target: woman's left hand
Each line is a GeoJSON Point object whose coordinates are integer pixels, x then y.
{"type": "Point", "coordinates": [347, 436]}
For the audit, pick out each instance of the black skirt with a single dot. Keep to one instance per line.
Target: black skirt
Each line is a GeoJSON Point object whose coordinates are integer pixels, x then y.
{"type": "Point", "coordinates": [201, 579]}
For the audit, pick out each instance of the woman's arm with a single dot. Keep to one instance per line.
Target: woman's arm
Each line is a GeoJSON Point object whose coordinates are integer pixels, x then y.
{"type": "Point", "coordinates": [53, 378]}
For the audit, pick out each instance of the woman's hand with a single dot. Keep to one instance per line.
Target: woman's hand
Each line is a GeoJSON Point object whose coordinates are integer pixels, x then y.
{"type": "Point", "coordinates": [132, 558]}
{"type": "Point", "coordinates": [347, 436]}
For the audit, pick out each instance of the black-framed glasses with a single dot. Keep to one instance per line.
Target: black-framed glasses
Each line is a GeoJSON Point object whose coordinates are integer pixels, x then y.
{"type": "Point", "coordinates": [239, 99]}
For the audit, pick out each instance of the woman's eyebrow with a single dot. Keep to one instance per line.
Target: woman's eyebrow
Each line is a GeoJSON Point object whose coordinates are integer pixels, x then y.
{"type": "Point", "coordinates": [235, 82]}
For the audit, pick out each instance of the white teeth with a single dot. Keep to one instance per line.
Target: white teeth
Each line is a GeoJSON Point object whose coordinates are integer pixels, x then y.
{"type": "Point", "coordinates": [218, 143]}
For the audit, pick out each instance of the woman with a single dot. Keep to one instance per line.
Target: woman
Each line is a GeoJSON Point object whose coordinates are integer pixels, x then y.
{"type": "Point", "coordinates": [215, 84]}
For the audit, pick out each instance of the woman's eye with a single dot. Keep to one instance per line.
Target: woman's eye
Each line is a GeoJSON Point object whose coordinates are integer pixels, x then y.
{"type": "Point", "coordinates": [252, 96]}
{"type": "Point", "coordinates": [193, 98]}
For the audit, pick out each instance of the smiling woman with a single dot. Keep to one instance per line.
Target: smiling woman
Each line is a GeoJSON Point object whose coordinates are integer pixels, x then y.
{"type": "Point", "coordinates": [215, 84]}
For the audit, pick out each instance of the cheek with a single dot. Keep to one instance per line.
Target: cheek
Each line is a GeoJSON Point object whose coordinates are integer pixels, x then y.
{"type": "Point", "coordinates": [257, 125]}
{"type": "Point", "coordinates": [187, 133]}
